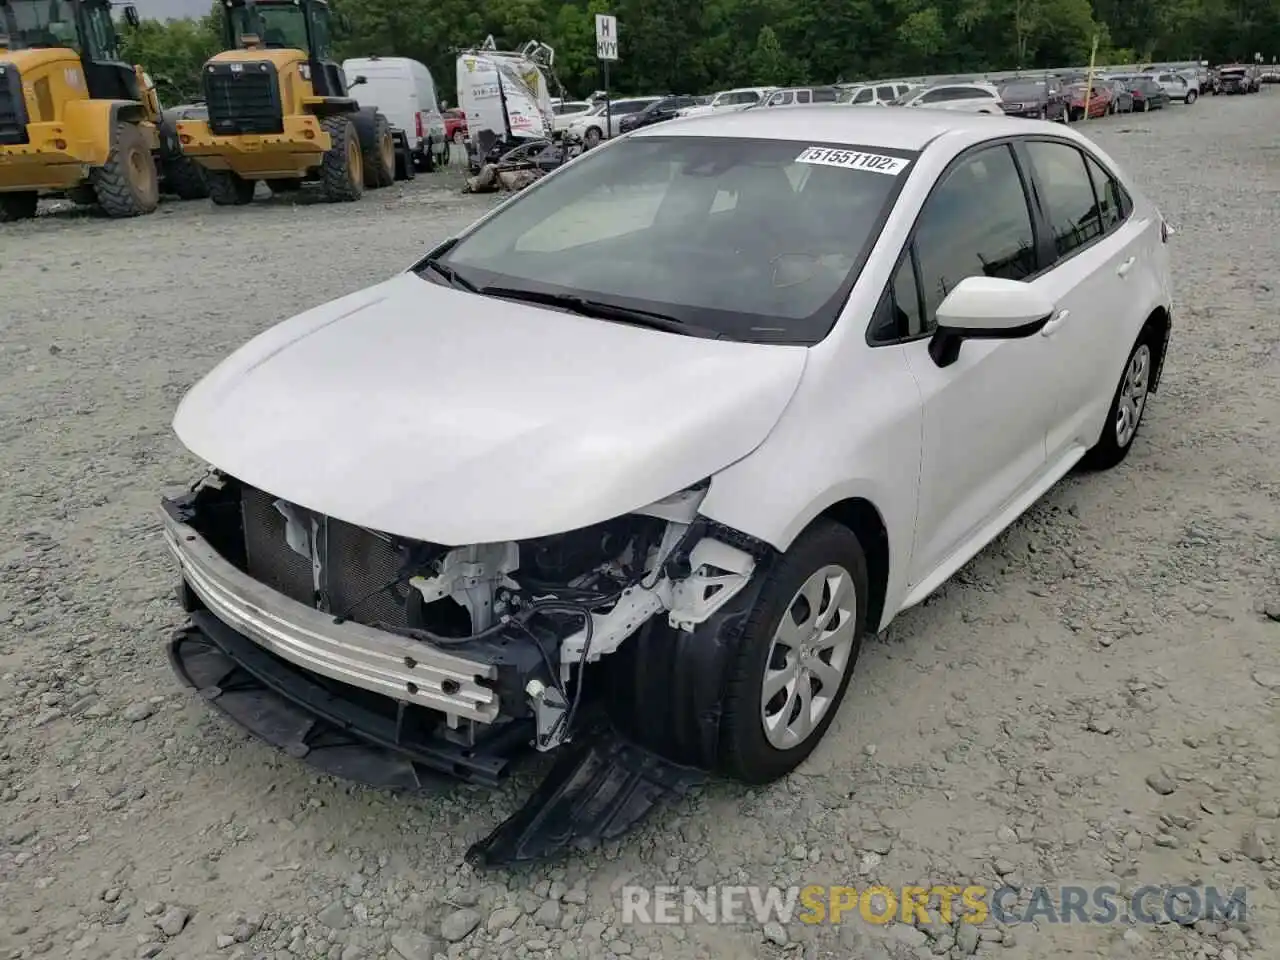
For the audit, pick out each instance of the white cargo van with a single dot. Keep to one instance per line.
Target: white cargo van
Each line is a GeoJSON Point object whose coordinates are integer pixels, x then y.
{"type": "Point", "coordinates": [405, 92]}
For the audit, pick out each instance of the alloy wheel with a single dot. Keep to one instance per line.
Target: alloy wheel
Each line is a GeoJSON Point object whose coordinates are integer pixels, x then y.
{"type": "Point", "coordinates": [1133, 395]}
{"type": "Point", "coordinates": [808, 657]}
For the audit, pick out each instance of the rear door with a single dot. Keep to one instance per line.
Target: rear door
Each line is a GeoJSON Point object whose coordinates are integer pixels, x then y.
{"type": "Point", "coordinates": [1098, 249]}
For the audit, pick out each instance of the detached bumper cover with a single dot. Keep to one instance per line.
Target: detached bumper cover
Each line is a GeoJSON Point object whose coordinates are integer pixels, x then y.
{"type": "Point", "coordinates": [350, 653]}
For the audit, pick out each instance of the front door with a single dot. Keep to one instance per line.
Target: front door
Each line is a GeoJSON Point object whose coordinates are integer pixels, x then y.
{"type": "Point", "coordinates": [985, 415]}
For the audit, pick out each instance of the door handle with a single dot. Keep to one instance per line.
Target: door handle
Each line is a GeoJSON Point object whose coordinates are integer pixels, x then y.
{"type": "Point", "coordinates": [1125, 267]}
{"type": "Point", "coordinates": [1050, 328]}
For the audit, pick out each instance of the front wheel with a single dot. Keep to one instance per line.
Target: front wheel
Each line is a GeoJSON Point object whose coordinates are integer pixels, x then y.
{"type": "Point", "coordinates": [128, 184]}
{"type": "Point", "coordinates": [1191, 97]}
{"type": "Point", "coordinates": [797, 654]}
{"type": "Point", "coordinates": [592, 137]}
{"type": "Point", "coordinates": [227, 189]}
{"type": "Point", "coordinates": [342, 169]}
{"type": "Point", "coordinates": [1127, 405]}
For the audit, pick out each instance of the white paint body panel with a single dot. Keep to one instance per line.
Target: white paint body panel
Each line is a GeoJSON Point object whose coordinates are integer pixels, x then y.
{"type": "Point", "coordinates": [423, 411]}
{"type": "Point", "coordinates": [436, 414]}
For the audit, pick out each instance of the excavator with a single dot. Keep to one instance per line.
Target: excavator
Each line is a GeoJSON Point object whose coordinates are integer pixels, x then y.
{"type": "Point", "coordinates": [279, 109]}
{"type": "Point", "coordinates": [75, 119]}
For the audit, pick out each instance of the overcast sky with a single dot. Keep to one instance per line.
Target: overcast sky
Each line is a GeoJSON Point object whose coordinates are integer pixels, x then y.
{"type": "Point", "coordinates": [164, 9]}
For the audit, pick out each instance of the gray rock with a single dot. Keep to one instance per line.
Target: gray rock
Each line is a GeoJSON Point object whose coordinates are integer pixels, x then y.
{"type": "Point", "coordinates": [502, 918]}
{"type": "Point", "coordinates": [775, 933]}
{"type": "Point", "coordinates": [1161, 783]}
{"type": "Point", "coordinates": [334, 916]}
{"type": "Point", "coordinates": [174, 921]}
{"type": "Point", "coordinates": [459, 924]}
{"type": "Point", "coordinates": [224, 940]}
{"type": "Point", "coordinates": [1254, 846]}
{"type": "Point", "coordinates": [1266, 678]}
{"type": "Point", "coordinates": [149, 950]}
{"type": "Point", "coordinates": [878, 843]}
{"type": "Point", "coordinates": [136, 712]}
{"type": "Point", "coordinates": [548, 915]}
{"type": "Point", "coordinates": [967, 938]}
{"type": "Point", "coordinates": [411, 945]}
{"type": "Point", "coordinates": [908, 935]}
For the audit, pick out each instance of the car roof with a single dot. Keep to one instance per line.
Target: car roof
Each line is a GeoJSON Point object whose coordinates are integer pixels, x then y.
{"type": "Point", "coordinates": [836, 123]}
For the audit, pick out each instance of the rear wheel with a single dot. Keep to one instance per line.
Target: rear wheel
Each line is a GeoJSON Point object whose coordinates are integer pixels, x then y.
{"type": "Point", "coordinates": [18, 206]}
{"type": "Point", "coordinates": [1127, 405]}
{"type": "Point", "coordinates": [127, 185]}
{"type": "Point", "coordinates": [1191, 97]}
{"type": "Point", "coordinates": [379, 158]}
{"type": "Point", "coordinates": [185, 178]}
{"type": "Point", "coordinates": [342, 169]}
{"type": "Point", "coordinates": [406, 169]}
{"type": "Point", "coordinates": [227, 189]}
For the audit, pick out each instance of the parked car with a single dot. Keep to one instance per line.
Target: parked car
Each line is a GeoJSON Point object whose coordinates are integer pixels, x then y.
{"type": "Point", "coordinates": [737, 99]}
{"type": "Point", "coordinates": [976, 97]}
{"type": "Point", "coordinates": [800, 96]}
{"type": "Point", "coordinates": [1121, 97]}
{"type": "Point", "coordinates": [1043, 99]}
{"type": "Point", "coordinates": [1236, 79]}
{"type": "Point", "coordinates": [565, 111]}
{"type": "Point", "coordinates": [604, 120]}
{"type": "Point", "coordinates": [782, 451]}
{"type": "Point", "coordinates": [455, 125]}
{"type": "Point", "coordinates": [874, 95]}
{"type": "Point", "coordinates": [405, 92]}
{"type": "Point", "coordinates": [668, 108]}
{"type": "Point", "coordinates": [1147, 95]}
{"type": "Point", "coordinates": [1092, 101]}
{"type": "Point", "coordinates": [1177, 86]}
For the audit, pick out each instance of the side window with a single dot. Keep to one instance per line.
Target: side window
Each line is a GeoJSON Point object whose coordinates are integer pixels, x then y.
{"type": "Point", "coordinates": [803, 96]}
{"type": "Point", "coordinates": [885, 94]}
{"type": "Point", "coordinates": [1073, 209]}
{"type": "Point", "coordinates": [936, 96]}
{"type": "Point", "coordinates": [824, 95]}
{"type": "Point", "coordinates": [1111, 206]}
{"type": "Point", "coordinates": [863, 96]}
{"type": "Point", "coordinates": [975, 224]}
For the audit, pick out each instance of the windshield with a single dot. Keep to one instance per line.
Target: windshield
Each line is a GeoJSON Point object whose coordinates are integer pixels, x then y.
{"type": "Point", "coordinates": [280, 26]}
{"type": "Point", "coordinates": [38, 23]}
{"type": "Point", "coordinates": [755, 239]}
{"type": "Point", "coordinates": [1022, 91]}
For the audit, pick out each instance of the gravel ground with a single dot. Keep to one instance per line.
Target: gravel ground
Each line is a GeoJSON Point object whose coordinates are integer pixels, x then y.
{"type": "Point", "coordinates": [1093, 700]}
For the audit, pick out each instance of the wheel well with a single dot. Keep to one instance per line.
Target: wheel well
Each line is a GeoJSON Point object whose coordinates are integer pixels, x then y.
{"type": "Point", "coordinates": [863, 519]}
{"type": "Point", "coordinates": [1159, 323]}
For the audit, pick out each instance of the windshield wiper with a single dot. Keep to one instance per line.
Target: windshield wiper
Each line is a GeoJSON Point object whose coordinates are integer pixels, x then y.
{"type": "Point", "coordinates": [586, 307]}
{"type": "Point", "coordinates": [450, 274]}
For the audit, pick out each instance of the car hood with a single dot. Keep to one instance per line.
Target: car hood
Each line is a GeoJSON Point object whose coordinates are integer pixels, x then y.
{"type": "Point", "coordinates": [440, 415]}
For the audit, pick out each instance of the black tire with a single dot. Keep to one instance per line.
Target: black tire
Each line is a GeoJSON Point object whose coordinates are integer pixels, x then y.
{"type": "Point", "coordinates": [227, 189]}
{"type": "Point", "coordinates": [1110, 450]}
{"type": "Point", "coordinates": [285, 185]}
{"type": "Point", "coordinates": [745, 752]}
{"type": "Point", "coordinates": [1191, 97]}
{"type": "Point", "coordinates": [18, 206]}
{"type": "Point", "coordinates": [459, 137]}
{"type": "Point", "coordinates": [128, 184]}
{"type": "Point", "coordinates": [592, 136]}
{"type": "Point", "coordinates": [379, 155]}
{"type": "Point", "coordinates": [83, 195]}
{"type": "Point", "coordinates": [342, 169]}
{"type": "Point", "coordinates": [405, 168]}
{"type": "Point", "coordinates": [185, 178]}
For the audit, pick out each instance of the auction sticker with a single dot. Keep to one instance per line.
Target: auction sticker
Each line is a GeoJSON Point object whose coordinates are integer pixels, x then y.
{"type": "Point", "coordinates": [853, 160]}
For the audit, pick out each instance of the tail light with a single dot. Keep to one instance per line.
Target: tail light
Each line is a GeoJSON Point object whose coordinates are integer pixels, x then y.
{"type": "Point", "coordinates": [417, 122]}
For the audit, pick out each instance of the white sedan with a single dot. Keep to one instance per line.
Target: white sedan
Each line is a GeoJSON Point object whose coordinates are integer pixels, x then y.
{"type": "Point", "coordinates": [975, 97]}
{"type": "Point", "coordinates": [668, 433]}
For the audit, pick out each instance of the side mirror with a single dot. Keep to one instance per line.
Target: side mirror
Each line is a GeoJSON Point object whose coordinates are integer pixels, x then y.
{"type": "Point", "coordinates": [359, 80]}
{"type": "Point", "coordinates": [987, 308]}
{"type": "Point", "coordinates": [131, 16]}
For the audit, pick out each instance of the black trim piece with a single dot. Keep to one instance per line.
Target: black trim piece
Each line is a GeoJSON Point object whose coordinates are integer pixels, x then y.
{"type": "Point", "coordinates": [269, 696]}
{"type": "Point", "coordinates": [13, 106]}
{"type": "Point", "coordinates": [599, 788]}
{"type": "Point", "coordinates": [243, 97]}
{"type": "Point", "coordinates": [944, 344]}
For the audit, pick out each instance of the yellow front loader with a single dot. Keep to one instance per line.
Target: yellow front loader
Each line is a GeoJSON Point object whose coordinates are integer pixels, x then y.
{"type": "Point", "coordinates": [279, 109]}
{"type": "Point", "coordinates": [74, 118]}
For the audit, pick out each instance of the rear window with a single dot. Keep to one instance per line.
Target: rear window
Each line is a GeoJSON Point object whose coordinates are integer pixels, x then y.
{"type": "Point", "coordinates": [759, 240]}
{"type": "Point", "coordinates": [1022, 91]}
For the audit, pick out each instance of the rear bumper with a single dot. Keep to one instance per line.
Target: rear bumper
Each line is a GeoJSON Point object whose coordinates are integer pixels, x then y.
{"type": "Point", "coordinates": [291, 153]}
{"type": "Point", "coordinates": [351, 653]}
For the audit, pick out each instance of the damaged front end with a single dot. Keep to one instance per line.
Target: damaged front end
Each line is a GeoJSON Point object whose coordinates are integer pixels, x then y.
{"type": "Point", "coordinates": [405, 664]}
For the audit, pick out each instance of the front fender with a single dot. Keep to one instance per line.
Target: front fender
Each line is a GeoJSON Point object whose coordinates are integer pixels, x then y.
{"type": "Point", "coordinates": [92, 124]}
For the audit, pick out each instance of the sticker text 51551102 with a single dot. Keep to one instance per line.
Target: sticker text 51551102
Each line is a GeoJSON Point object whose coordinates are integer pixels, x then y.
{"type": "Point", "coordinates": [853, 160]}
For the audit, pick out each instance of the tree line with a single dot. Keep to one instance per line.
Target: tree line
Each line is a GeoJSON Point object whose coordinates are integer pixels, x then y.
{"type": "Point", "coordinates": [680, 46]}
